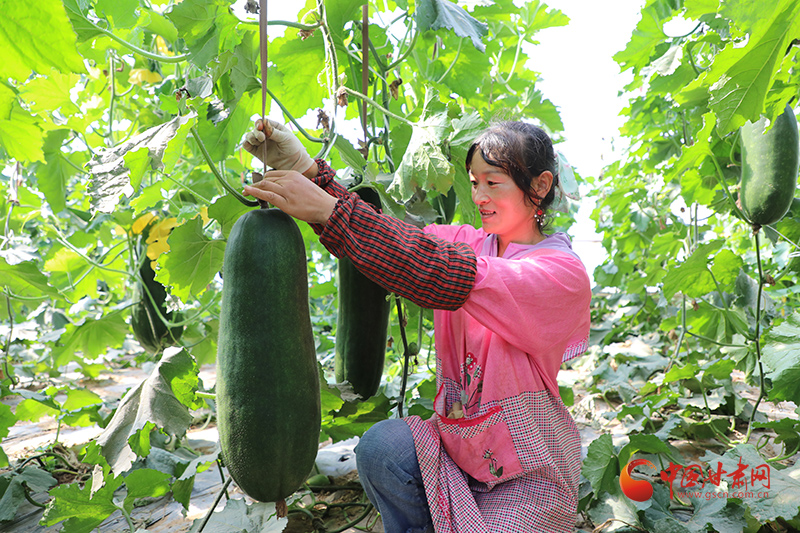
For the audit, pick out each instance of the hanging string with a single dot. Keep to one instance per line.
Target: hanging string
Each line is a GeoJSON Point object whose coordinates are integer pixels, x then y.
{"type": "Point", "coordinates": [262, 26]}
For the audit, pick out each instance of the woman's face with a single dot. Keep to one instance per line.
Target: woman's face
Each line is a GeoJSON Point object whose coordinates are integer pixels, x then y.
{"type": "Point", "coordinates": [503, 206]}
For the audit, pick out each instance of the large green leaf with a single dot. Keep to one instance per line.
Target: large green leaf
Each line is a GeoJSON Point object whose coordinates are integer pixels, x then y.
{"type": "Point", "coordinates": [781, 499]}
{"type": "Point", "coordinates": [54, 175]}
{"type": "Point", "coordinates": [152, 400]}
{"type": "Point", "coordinates": [81, 509]}
{"type": "Point", "coordinates": [601, 466]}
{"type": "Point", "coordinates": [145, 483]}
{"type": "Point", "coordinates": [443, 14]}
{"type": "Point", "coordinates": [36, 39]}
{"type": "Point", "coordinates": [647, 35]}
{"type": "Point", "coordinates": [92, 338]}
{"type": "Point", "coordinates": [110, 175]}
{"type": "Point", "coordinates": [740, 77]}
{"type": "Point", "coordinates": [424, 165]}
{"type": "Point", "coordinates": [192, 262]}
{"type": "Point", "coordinates": [300, 72]}
{"type": "Point", "coordinates": [122, 13]}
{"type": "Point", "coordinates": [781, 356]}
{"type": "Point", "coordinates": [20, 132]}
{"type": "Point", "coordinates": [222, 138]}
{"type": "Point", "coordinates": [35, 479]}
{"type": "Point", "coordinates": [692, 277]}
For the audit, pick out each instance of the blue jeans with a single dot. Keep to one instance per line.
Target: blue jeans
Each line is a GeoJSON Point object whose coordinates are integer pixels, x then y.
{"type": "Point", "coordinates": [389, 471]}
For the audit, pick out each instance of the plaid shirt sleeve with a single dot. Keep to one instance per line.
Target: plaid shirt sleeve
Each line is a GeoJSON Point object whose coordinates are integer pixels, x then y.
{"type": "Point", "coordinates": [429, 271]}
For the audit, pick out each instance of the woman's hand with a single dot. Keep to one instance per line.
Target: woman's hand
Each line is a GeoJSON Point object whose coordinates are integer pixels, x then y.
{"type": "Point", "coordinates": [295, 195]}
{"type": "Point", "coordinates": [281, 149]}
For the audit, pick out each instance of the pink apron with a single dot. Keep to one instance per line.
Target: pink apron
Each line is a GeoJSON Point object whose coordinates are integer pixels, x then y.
{"type": "Point", "coordinates": [502, 453]}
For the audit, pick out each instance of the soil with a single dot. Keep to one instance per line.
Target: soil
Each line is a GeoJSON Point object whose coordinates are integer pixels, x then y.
{"type": "Point", "coordinates": [335, 507]}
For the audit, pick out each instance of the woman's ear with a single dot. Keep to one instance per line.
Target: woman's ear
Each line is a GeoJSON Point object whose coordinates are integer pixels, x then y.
{"type": "Point", "coordinates": [542, 183]}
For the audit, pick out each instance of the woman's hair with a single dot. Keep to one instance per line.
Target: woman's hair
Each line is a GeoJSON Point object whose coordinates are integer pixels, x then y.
{"type": "Point", "coordinates": [523, 151]}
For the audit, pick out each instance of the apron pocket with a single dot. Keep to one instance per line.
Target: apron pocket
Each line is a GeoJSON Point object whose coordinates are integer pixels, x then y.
{"type": "Point", "coordinates": [481, 446]}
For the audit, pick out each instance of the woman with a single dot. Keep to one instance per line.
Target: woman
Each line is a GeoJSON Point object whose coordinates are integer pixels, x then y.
{"type": "Point", "coordinates": [502, 453]}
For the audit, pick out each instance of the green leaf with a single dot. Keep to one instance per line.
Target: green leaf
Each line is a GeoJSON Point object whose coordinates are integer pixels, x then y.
{"type": "Point", "coordinates": [726, 267]}
{"type": "Point", "coordinates": [780, 353]}
{"type": "Point", "coordinates": [160, 25]}
{"type": "Point", "coordinates": [47, 94]}
{"type": "Point", "coordinates": [92, 338]}
{"type": "Point", "coordinates": [780, 500]}
{"type": "Point", "coordinates": [36, 479]}
{"type": "Point", "coordinates": [227, 210]}
{"type": "Point", "coordinates": [349, 154]}
{"type": "Point", "coordinates": [647, 35]}
{"type": "Point", "coordinates": [7, 420]}
{"type": "Point", "coordinates": [33, 409]}
{"type": "Point", "coordinates": [110, 175]}
{"type": "Point", "coordinates": [26, 47]}
{"type": "Point", "coordinates": [692, 277]}
{"type": "Point", "coordinates": [20, 132]}
{"type": "Point", "coordinates": [152, 400]}
{"type": "Point", "coordinates": [192, 262]}
{"type": "Point", "coordinates": [25, 279]}
{"type": "Point", "coordinates": [601, 466]}
{"type": "Point", "coordinates": [740, 77]}
{"type": "Point", "coordinates": [424, 165]}
{"type": "Point", "coordinates": [356, 418]}
{"type": "Point", "coordinates": [145, 483]}
{"type": "Point", "coordinates": [443, 14]}
{"type": "Point", "coordinates": [616, 507]}
{"type": "Point", "coordinates": [52, 178]}
{"type": "Point", "coordinates": [300, 72]}
{"type": "Point", "coordinates": [81, 509]}
{"type": "Point", "coordinates": [338, 13]}
{"type": "Point", "coordinates": [123, 13]}
{"type": "Point", "coordinates": [222, 138]}
{"type": "Point", "coordinates": [207, 28]}
{"type": "Point", "coordinates": [80, 398]}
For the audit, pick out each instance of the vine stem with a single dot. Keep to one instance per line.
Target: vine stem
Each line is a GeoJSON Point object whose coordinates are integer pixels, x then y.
{"type": "Point", "coordinates": [227, 186]}
{"type": "Point", "coordinates": [377, 106]}
{"type": "Point", "coordinates": [112, 74]}
{"type": "Point", "coordinates": [214, 505]}
{"type": "Point", "coordinates": [406, 356]}
{"type": "Point", "coordinates": [294, 120]}
{"type": "Point", "coordinates": [134, 48]}
{"type": "Point", "coordinates": [757, 340]}
{"type": "Point", "coordinates": [721, 180]}
{"type": "Point", "coordinates": [127, 516]}
{"type": "Point", "coordinates": [13, 379]}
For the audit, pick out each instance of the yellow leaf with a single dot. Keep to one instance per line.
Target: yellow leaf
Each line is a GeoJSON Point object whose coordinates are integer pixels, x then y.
{"type": "Point", "coordinates": [142, 222]}
{"type": "Point", "coordinates": [204, 215]}
{"type": "Point", "coordinates": [119, 231]}
{"type": "Point", "coordinates": [162, 47]}
{"type": "Point", "coordinates": [140, 75]}
{"type": "Point", "coordinates": [157, 239]}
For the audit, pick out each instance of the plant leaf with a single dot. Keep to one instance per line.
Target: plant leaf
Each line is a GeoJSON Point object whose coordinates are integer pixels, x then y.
{"type": "Point", "coordinates": [153, 400]}
{"type": "Point", "coordinates": [81, 509]}
{"type": "Point", "coordinates": [110, 175]}
{"type": "Point", "coordinates": [601, 465]}
{"type": "Point", "coordinates": [192, 262]}
{"type": "Point", "coordinates": [781, 355]}
{"type": "Point", "coordinates": [780, 500]}
{"type": "Point", "coordinates": [443, 14]}
{"type": "Point", "coordinates": [27, 48]}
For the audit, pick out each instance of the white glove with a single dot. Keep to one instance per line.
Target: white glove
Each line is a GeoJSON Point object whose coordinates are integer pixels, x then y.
{"type": "Point", "coordinates": [281, 149]}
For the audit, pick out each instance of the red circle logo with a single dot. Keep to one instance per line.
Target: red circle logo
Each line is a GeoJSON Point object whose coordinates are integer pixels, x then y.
{"type": "Point", "coordinates": [636, 489]}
